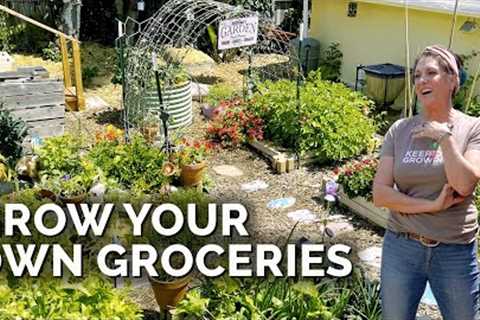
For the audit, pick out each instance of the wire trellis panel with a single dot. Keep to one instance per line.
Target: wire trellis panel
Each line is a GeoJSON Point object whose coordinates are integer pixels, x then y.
{"type": "Point", "coordinates": [180, 24]}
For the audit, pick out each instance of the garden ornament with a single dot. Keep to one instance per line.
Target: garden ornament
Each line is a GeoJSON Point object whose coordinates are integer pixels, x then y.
{"type": "Point", "coordinates": [97, 192]}
{"type": "Point", "coordinates": [303, 215]}
{"type": "Point", "coordinates": [281, 203]}
{"type": "Point", "coordinates": [27, 167]}
{"type": "Point", "coordinates": [253, 186]}
{"type": "Point", "coordinates": [331, 188]}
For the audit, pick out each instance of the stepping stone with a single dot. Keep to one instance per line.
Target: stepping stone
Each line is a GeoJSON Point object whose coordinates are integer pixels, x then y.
{"type": "Point", "coordinates": [281, 203]}
{"type": "Point", "coordinates": [96, 104]}
{"type": "Point", "coordinates": [337, 217]}
{"type": "Point", "coordinates": [253, 186]}
{"type": "Point", "coordinates": [199, 90]}
{"type": "Point", "coordinates": [340, 227]}
{"type": "Point", "coordinates": [371, 256]}
{"type": "Point", "coordinates": [228, 171]}
{"type": "Point", "coordinates": [303, 215]}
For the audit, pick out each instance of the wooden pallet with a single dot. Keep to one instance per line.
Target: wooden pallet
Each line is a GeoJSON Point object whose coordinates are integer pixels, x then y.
{"type": "Point", "coordinates": [40, 103]}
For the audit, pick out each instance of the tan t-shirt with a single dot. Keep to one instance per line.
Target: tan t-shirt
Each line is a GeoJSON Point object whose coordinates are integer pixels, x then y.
{"type": "Point", "coordinates": [419, 173]}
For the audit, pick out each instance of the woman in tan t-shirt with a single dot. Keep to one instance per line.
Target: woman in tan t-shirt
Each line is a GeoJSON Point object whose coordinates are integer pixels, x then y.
{"type": "Point", "coordinates": [428, 171]}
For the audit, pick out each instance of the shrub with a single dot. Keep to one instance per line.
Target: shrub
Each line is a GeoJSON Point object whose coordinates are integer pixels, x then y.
{"type": "Point", "coordinates": [331, 62]}
{"type": "Point", "coordinates": [332, 121]}
{"type": "Point", "coordinates": [8, 33]}
{"type": "Point", "coordinates": [219, 92]}
{"type": "Point", "coordinates": [12, 133]}
{"type": "Point", "coordinates": [52, 52]}
{"type": "Point", "coordinates": [356, 177]}
{"type": "Point", "coordinates": [60, 156]}
{"type": "Point", "coordinates": [89, 73]}
{"type": "Point", "coordinates": [235, 125]}
{"type": "Point", "coordinates": [135, 165]}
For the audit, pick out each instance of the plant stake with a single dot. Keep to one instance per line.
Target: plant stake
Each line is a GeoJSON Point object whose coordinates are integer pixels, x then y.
{"type": "Point", "coordinates": [300, 72]}
{"type": "Point", "coordinates": [164, 116]}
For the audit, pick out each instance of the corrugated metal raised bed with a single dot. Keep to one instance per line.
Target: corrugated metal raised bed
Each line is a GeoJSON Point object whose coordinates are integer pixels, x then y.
{"type": "Point", "coordinates": [178, 103]}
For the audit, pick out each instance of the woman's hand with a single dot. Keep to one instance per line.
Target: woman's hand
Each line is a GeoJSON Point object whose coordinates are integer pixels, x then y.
{"type": "Point", "coordinates": [433, 130]}
{"type": "Point", "coordinates": [446, 199]}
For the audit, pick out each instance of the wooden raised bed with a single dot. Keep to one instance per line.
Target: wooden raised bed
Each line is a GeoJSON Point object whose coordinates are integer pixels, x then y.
{"type": "Point", "coordinates": [284, 160]}
{"type": "Point", "coordinates": [281, 159]}
{"type": "Point", "coordinates": [363, 207]}
{"type": "Point", "coordinates": [39, 102]}
{"type": "Point", "coordinates": [366, 209]}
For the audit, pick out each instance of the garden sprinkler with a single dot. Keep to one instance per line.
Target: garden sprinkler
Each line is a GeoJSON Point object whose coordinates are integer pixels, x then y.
{"type": "Point", "coordinates": [164, 116]}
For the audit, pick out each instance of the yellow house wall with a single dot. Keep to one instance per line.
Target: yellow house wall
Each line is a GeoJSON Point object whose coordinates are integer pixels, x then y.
{"type": "Point", "coordinates": [377, 34]}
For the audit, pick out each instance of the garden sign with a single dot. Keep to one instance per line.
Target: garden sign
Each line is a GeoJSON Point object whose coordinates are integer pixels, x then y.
{"type": "Point", "coordinates": [240, 32]}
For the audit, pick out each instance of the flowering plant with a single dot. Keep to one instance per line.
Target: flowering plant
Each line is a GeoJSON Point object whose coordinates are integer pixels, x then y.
{"type": "Point", "coordinates": [235, 125]}
{"type": "Point", "coordinates": [110, 133]}
{"type": "Point", "coordinates": [193, 151]}
{"type": "Point", "coordinates": [356, 177]}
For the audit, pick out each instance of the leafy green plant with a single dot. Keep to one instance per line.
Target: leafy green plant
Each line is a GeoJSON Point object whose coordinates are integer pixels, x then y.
{"type": "Point", "coordinates": [220, 92]}
{"type": "Point", "coordinates": [330, 64]}
{"type": "Point", "coordinates": [8, 32]}
{"type": "Point", "coordinates": [93, 298]}
{"type": "Point", "coordinates": [52, 52]}
{"type": "Point", "coordinates": [171, 74]}
{"type": "Point", "coordinates": [60, 156]}
{"type": "Point", "coordinates": [366, 299]}
{"type": "Point", "coordinates": [356, 177]}
{"type": "Point", "coordinates": [461, 98]}
{"type": "Point", "coordinates": [80, 183]}
{"type": "Point", "coordinates": [181, 198]}
{"type": "Point", "coordinates": [12, 133]}
{"type": "Point", "coordinates": [135, 165]}
{"type": "Point", "coordinates": [332, 122]}
{"type": "Point", "coordinates": [279, 298]}
{"type": "Point", "coordinates": [89, 73]}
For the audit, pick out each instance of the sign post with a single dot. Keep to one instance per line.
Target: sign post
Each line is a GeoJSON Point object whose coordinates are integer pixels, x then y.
{"type": "Point", "coordinates": [235, 33]}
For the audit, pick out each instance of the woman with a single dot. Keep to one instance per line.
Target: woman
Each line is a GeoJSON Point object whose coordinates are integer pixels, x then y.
{"type": "Point", "coordinates": [429, 167]}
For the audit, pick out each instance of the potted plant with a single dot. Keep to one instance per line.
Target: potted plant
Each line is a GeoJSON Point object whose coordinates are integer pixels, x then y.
{"type": "Point", "coordinates": [191, 158]}
{"type": "Point", "coordinates": [74, 189]}
{"type": "Point", "coordinates": [169, 290]}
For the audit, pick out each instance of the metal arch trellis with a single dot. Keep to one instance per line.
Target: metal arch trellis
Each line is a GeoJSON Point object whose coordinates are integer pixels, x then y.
{"type": "Point", "coordinates": [179, 24]}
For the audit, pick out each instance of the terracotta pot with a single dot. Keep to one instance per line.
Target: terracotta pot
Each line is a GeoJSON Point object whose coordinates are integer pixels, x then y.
{"type": "Point", "coordinates": [73, 199]}
{"type": "Point", "coordinates": [149, 133]}
{"type": "Point", "coordinates": [192, 175]}
{"type": "Point", "coordinates": [44, 193]}
{"type": "Point", "coordinates": [168, 294]}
